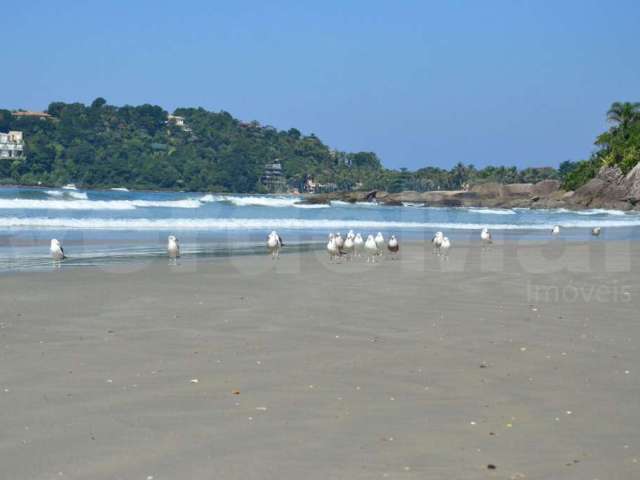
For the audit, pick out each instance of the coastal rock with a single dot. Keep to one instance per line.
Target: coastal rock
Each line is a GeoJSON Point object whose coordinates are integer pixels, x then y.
{"type": "Point", "coordinates": [545, 187]}
{"type": "Point", "coordinates": [609, 189]}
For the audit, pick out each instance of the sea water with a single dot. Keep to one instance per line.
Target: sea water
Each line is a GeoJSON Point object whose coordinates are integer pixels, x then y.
{"type": "Point", "coordinates": [98, 227]}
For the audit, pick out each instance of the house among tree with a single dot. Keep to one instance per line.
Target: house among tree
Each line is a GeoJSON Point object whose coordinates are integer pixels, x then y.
{"type": "Point", "coordinates": [273, 178]}
{"type": "Point", "coordinates": [178, 121]}
{"type": "Point", "coordinates": [27, 114]}
{"type": "Point", "coordinates": [11, 145]}
{"type": "Point", "coordinates": [309, 185]}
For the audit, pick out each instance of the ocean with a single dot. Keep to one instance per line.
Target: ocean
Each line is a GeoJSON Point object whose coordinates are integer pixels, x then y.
{"type": "Point", "coordinates": [99, 227]}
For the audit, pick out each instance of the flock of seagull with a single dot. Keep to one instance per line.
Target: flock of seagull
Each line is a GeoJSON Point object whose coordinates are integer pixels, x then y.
{"type": "Point", "coordinates": [350, 247]}
{"type": "Point", "coordinates": [353, 246]}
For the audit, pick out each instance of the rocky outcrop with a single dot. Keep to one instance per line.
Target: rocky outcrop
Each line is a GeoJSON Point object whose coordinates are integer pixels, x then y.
{"type": "Point", "coordinates": [610, 189]}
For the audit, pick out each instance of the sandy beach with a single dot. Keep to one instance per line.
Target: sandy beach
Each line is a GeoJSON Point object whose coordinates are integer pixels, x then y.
{"type": "Point", "coordinates": [521, 362]}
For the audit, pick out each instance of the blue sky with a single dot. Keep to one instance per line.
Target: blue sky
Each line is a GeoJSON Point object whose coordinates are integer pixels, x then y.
{"type": "Point", "coordinates": [421, 83]}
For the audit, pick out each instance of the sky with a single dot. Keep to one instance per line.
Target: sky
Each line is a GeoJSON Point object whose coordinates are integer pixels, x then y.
{"type": "Point", "coordinates": [497, 82]}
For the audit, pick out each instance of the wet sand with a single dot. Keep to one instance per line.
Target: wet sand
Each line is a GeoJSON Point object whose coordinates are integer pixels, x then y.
{"type": "Point", "coordinates": [524, 358]}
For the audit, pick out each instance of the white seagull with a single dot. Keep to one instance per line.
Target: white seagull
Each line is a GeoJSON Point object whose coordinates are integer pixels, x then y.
{"type": "Point", "coordinates": [332, 247]}
{"type": "Point", "coordinates": [57, 252]}
{"type": "Point", "coordinates": [349, 246]}
{"type": "Point", "coordinates": [274, 243]}
{"type": "Point", "coordinates": [596, 231]}
{"type": "Point", "coordinates": [358, 244]}
{"type": "Point", "coordinates": [485, 236]}
{"type": "Point", "coordinates": [379, 242]}
{"type": "Point", "coordinates": [371, 249]}
{"type": "Point", "coordinates": [339, 242]}
{"type": "Point", "coordinates": [173, 247]}
{"type": "Point", "coordinates": [555, 230]}
{"type": "Point", "coordinates": [437, 242]}
{"type": "Point", "coordinates": [446, 245]}
{"type": "Point", "coordinates": [393, 246]}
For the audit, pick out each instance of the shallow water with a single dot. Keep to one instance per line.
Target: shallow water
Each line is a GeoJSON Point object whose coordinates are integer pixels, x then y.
{"type": "Point", "coordinates": [98, 227]}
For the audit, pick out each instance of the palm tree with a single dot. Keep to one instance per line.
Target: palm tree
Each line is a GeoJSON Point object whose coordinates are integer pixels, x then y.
{"type": "Point", "coordinates": [624, 113]}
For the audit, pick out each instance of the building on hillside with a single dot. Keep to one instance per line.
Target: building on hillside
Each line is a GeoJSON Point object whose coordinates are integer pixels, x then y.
{"type": "Point", "coordinates": [273, 178]}
{"type": "Point", "coordinates": [11, 145]}
{"type": "Point", "coordinates": [309, 185]}
{"type": "Point", "coordinates": [178, 121]}
{"type": "Point", "coordinates": [27, 114]}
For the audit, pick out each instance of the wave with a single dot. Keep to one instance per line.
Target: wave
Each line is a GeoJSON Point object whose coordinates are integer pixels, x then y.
{"type": "Point", "coordinates": [252, 201]}
{"type": "Point", "coordinates": [492, 211]}
{"type": "Point", "coordinates": [67, 193]}
{"type": "Point", "coordinates": [342, 203]}
{"type": "Point", "coordinates": [311, 205]}
{"type": "Point", "coordinates": [83, 204]}
{"type": "Point", "coordinates": [279, 223]}
{"type": "Point", "coordinates": [600, 211]}
{"type": "Point", "coordinates": [78, 195]}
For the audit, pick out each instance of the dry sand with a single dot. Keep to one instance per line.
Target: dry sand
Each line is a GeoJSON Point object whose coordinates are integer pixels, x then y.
{"type": "Point", "coordinates": [524, 358]}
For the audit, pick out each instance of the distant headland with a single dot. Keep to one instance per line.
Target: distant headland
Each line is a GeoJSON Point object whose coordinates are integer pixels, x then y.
{"type": "Point", "coordinates": [145, 147]}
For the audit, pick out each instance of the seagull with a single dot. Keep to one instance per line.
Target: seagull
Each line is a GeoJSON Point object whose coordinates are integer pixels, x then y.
{"type": "Point", "coordinates": [596, 231]}
{"type": "Point", "coordinates": [173, 247]}
{"type": "Point", "coordinates": [274, 243]}
{"type": "Point", "coordinates": [555, 230]}
{"type": "Point", "coordinates": [485, 236]}
{"type": "Point", "coordinates": [358, 244]}
{"type": "Point", "coordinates": [57, 252]}
{"type": "Point", "coordinates": [351, 235]}
{"type": "Point", "coordinates": [332, 247]}
{"type": "Point", "coordinates": [393, 246]}
{"type": "Point", "coordinates": [349, 246]}
{"type": "Point", "coordinates": [446, 245]}
{"type": "Point", "coordinates": [437, 242]}
{"type": "Point", "coordinates": [379, 242]}
{"type": "Point", "coordinates": [371, 248]}
{"type": "Point", "coordinates": [339, 242]}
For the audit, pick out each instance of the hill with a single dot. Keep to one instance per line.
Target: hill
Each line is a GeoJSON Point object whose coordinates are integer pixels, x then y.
{"type": "Point", "coordinates": [101, 145]}
{"type": "Point", "coordinates": [143, 147]}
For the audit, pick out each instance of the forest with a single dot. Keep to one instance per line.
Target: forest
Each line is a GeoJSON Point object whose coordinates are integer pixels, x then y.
{"type": "Point", "coordinates": [140, 147]}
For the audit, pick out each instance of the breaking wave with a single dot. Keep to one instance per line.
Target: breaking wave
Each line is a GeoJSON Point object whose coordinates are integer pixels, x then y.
{"type": "Point", "coordinates": [252, 200]}
{"type": "Point", "coordinates": [279, 223]}
{"type": "Point", "coordinates": [492, 211]}
{"type": "Point", "coordinates": [83, 204]}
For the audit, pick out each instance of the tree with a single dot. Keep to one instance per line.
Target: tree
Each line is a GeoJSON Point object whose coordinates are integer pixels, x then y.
{"type": "Point", "coordinates": [98, 103]}
{"type": "Point", "coordinates": [624, 113]}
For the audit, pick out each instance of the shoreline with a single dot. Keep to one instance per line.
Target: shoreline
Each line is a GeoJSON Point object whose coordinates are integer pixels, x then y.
{"type": "Point", "coordinates": [498, 196]}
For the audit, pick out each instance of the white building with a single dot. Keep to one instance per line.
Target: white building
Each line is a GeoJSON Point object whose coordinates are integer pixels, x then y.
{"type": "Point", "coordinates": [11, 145]}
{"type": "Point", "coordinates": [176, 120]}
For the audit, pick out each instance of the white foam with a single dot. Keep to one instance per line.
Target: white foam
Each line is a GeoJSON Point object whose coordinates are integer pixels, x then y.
{"type": "Point", "coordinates": [311, 206]}
{"type": "Point", "coordinates": [54, 193]}
{"type": "Point", "coordinates": [29, 204]}
{"type": "Point", "coordinates": [492, 211]}
{"type": "Point", "coordinates": [280, 223]}
{"type": "Point", "coordinates": [253, 200]}
{"type": "Point", "coordinates": [601, 211]}
{"type": "Point", "coordinates": [78, 195]}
